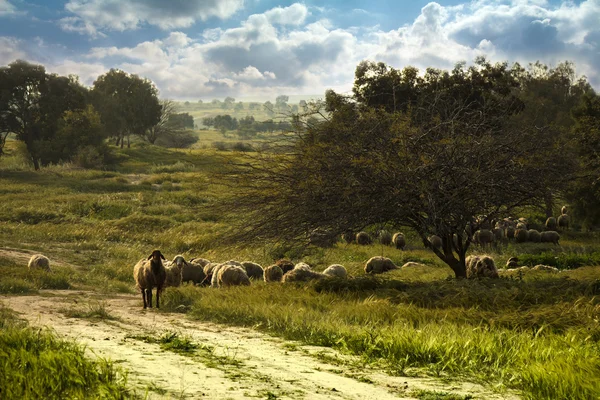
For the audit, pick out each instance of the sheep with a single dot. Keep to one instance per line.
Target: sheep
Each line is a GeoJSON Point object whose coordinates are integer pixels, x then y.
{"type": "Point", "coordinates": [200, 261]}
{"type": "Point", "coordinates": [214, 280]}
{"type": "Point", "coordinates": [273, 273]}
{"type": "Point", "coordinates": [547, 268]}
{"type": "Point", "coordinates": [148, 274]}
{"type": "Point", "coordinates": [481, 266]}
{"type": "Point", "coordinates": [484, 237]}
{"type": "Point", "coordinates": [522, 225]}
{"type": "Point", "coordinates": [549, 237]}
{"type": "Point", "coordinates": [435, 241]}
{"type": "Point", "coordinates": [563, 210]}
{"type": "Point", "coordinates": [174, 270]}
{"type": "Point", "coordinates": [499, 234]}
{"type": "Point", "coordinates": [285, 265]}
{"type": "Point", "coordinates": [512, 262]}
{"type": "Point", "coordinates": [385, 238]}
{"type": "Point", "coordinates": [336, 270]}
{"type": "Point", "coordinates": [510, 232]}
{"type": "Point", "coordinates": [232, 275]}
{"type": "Point", "coordinates": [563, 221]}
{"type": "Point", "coordinates": [412, 264]}
{"type": "Point", "coordinates": [533, 236]}
{"type": "Point", "coordinates": [39, 261]}
{"type": "Point", "coordinates": [301, 275]}
{"type": "Point", "coordinates": [399, 240]}
{"type": "Point", "coordinates": [521, 235]}
{"type": "Point", "coordinates": [254, 270]}
{"type": "Point", "coordinates": [302, 265]}
{"type": "Point", "coordinates": [193, 271]}
{"type": "Point", "coordinates": [551, 224]}
{"type": "Point", "coordinates": [363, 238]}
{"type": "Point", "coordinates": [379, 265]}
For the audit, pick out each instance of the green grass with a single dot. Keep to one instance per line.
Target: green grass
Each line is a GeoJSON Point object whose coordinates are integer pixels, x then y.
{"type": "Point", "coordinates": [36, 364]}
{"type": "Point", "coordinates": [96, 311]}
{"type": "Point", "coordinates": [536, 332]}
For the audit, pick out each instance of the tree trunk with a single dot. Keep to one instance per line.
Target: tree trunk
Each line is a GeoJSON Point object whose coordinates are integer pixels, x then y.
{"type": "Point", "coordinates": [122, 140]}
{"type": "Point", "coordinates": [118, 140]}
{"type": "Point", "coordinates": [36, 163]}
{"type": "Point", "coordinates": [459, 268]}
{"type": "Point", "coordinates": [129, 146]}
{"type": "Point", "coordinates": [549, 203]}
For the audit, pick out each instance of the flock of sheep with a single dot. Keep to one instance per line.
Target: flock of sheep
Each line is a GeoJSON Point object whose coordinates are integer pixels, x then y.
{"type": "Point", "coordinates": [156, 272]}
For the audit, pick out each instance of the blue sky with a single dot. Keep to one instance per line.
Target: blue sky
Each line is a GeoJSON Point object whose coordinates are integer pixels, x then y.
{"type": "Point", "coordinates": [204, 49]}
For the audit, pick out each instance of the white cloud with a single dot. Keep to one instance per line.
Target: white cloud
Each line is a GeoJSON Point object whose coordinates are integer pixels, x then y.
{"type": "Point", "coordinates": [292, 15]}
{"type": "Point", "coordinates": [93, 16]}
{"type": "Point", "coordinates": [6, 8]}
{"type": "Point", "coordinates": [10, 50]}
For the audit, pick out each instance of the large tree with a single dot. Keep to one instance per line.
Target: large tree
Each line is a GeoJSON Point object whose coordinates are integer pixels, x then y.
{"type": "Point", "coordinates": [430, 152]}
{"type": "Point", "coordinates": [127, 104]}
{"type": "Point", "coordinates": [32, 104]}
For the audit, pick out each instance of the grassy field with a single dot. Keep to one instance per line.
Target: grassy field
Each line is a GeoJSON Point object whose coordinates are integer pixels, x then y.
{"type": "Point", "coordinates": [536, 332]}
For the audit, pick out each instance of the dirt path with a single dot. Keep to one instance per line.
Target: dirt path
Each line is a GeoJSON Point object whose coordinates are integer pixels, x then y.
{"type": "Point", "coordinates": [232, 363]}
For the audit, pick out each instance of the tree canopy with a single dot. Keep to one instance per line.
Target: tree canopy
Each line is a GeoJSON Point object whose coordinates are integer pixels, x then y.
{"type": "Point", "coordinates": [437, 152]}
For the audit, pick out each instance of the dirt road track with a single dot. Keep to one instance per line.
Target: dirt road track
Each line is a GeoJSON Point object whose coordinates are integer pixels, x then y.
{"type": "Point", "coordinates": [235, 363]}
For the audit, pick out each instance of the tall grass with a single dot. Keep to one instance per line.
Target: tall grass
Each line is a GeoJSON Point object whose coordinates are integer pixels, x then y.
{"type": "Point", "coordinates": [36, 364]}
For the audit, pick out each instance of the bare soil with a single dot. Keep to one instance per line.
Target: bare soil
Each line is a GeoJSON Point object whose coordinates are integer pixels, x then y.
{"type": "Point", "coordinates": [233, 363]}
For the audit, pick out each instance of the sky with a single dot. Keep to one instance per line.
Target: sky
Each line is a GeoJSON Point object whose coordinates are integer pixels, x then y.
{"type": "Point", "coordinates": [206, 49]}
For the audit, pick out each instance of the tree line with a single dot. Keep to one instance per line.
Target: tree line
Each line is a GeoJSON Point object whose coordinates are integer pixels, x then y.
{"type": "Point", "coordinates": [57, 118]}
{"type": "Point", "coordinates": [247, 127]}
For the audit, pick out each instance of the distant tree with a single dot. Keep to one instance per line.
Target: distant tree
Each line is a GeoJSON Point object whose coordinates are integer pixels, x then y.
{"type": "Point", "coordinates": [281, 102]}
{"type": "Point", "coordinates": [239, 106]}
{"type": "Point", "coordinates": [200, 101]}
{"type": "Point", "coordinates": [254, 106]}
{"type": "Point", "coordinates": [430, 152]}
{"type": "Point", "coordinates": [303, 106]}
{"type": "Point", "coordinates": [268, 107]}
{"type": "Point", "coordinates": [228, 103]}
{"type": "Point", "coordinates": [127, 104]}
{"type": "Point", "coordinates": [216, 102]}
{"type": "Point", "coordinates": [182, 120]}
{"type": "Point", "coordinates": [208, 121]}
{"type": "Point", "coordinates": [225, 123]}
{"type": "Point", "coordinates": [163, 126]}
{"type": "Point", "coordinates": [187, 103]}
{"type": "Point", "coordinates": [295, 109]}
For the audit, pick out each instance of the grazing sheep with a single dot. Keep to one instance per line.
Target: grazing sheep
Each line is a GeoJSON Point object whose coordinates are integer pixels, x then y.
{"type": "Point", "coordinates": [336, 270]}
{"type": "Point", "coordinates": [533, 236]}
{"type": "Point", "coordinates": [254, 270]}
{"type": "Point", "coordinates": [549, 237]}
{"type": "Point", "coordinates": [285, 265]}
{"type": "Point", "coordinates": [363, 238]}
{"type": "Point", "coordinates": [385, 238]}
{"type": "Point", "coordinates": [512, 262]}
{"type": "Point", "coordinates": [273, 273]}
{"type": "Point", "coordinates": [563, 221]}
{"type": "Point", "coordinates": [232, 275]}
{"type": "Point", "coordinates": [200, 261]}
{"type": "Point", "coordinates": [547, 268]}
{"type": "Point", "coordinates": [481, 266]}
{"type": "Point", "coordinates": [193, 271]}
{"type": "Point", "coordinates": [39, 261]}
{"type": "Point", "coordinates": [521, 235]}
{"type": "Point", "coordinates": [302, 265]}
{"type": "Point", "coordinates": [499, 234]}
{"type": "Point", "coordinates": [522, 226]}
{"type": "Point", "coordinates": [435, 241]}
{"type": "Point", "coordinates": [563, 210]}
{"type": "Point", "coordinates": [379, 265]}
{"type": "Point", "coordinates": [399, 240]}
{"type": "Point", "coordinates": [301, 275]}
{"type": "Point", "coordinates": [148, 274]}
{"type": "Point", "coordinates": [214, 279]}
{"type": "Point", "coordinates": [510, 232]}
{"type": "Point", "coordinates": [484, 237]}
{"type": "Point", "coordinates": [412, 264]}
{"type": "Point", "coordinates": [551, 224]}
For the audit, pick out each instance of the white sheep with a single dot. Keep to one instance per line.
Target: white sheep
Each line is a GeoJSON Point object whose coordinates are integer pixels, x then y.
{"type": "Point", "coordinates": [303, 265]}
{"type": "Point", "coordinates": [549, 237]}
{"type": "Point", "coordinates": [301, 275]}
{"type": "Point", "coordinates": [336, 270]}
{"type": "Point", "coordinates": [254, 270]}
{"type": "Point", "coordinates": [379, 265]}
{"type": "Point", "coordinates": [385, 238]}
{"type": "Point", "coordinates": [148, 274]}
{"type": "Point", "coordinates": [551, 223]}
{"type": "Point", "coordinates": [546, 268]}
{"type": "Point", "coordinates": [399, 240]}
{"type": "Point", "coordinates": [174, 271]}
{"type": "Point", "coordinates": [481, 266]}
{"type": "Point", "coordinates": [193, 271]}
{"type": "Point", "coordinates": [232, 275]}
{"type": "Point", "coordinates": [39, 261]}
{"type": "Point", "coordinates": [563, 221]}
{"type": "Point", "coordinates": [273, 273]}
{"type": "Point", "coordinates": [214, 280]}
{"type": "Point", "coordinates": [412, 264]}
{"type": "Point", "coordinates": [533, 236]}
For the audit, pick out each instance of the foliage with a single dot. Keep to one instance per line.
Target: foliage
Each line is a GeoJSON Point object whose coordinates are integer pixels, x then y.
{"type": "Point", "coordinates": [127, 104]}
{"type": "Point", "coordinates": [431, 159]}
